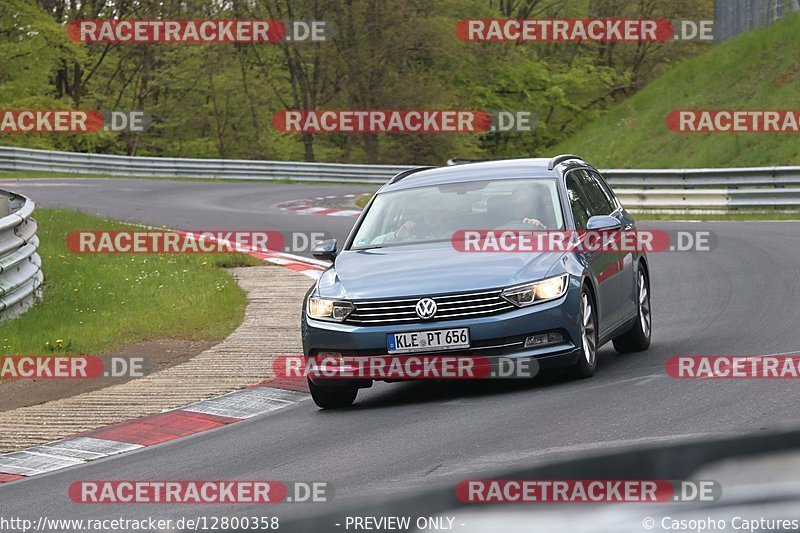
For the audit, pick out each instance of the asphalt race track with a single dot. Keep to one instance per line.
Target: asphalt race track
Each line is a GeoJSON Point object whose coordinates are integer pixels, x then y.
{"type": "Point", "coordinates": [741, 298]}
{"type": "Point", "coordinates": [191, 205]}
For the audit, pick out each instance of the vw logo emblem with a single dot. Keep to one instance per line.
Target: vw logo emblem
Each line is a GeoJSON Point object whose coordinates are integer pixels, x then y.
{"type": "Point", "coordinates": [426, 308]}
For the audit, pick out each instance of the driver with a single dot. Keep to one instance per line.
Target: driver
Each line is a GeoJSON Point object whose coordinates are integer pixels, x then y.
{"type": "Point", "coordinates": [424, 223]}
{"type": "Point", "coordinates": [525, 205]}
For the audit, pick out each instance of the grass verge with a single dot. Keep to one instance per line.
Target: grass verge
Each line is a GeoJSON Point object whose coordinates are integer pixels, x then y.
{"type": "Point", "coordinates": [97, 303]}
{"type": "Point", "coordinates": [757, 70]}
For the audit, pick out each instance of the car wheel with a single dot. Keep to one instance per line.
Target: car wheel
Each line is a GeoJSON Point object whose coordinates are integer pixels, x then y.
{"type": "Point", "coordinates": [637, 338]}
{"type": "Point", "coordinates": [332, 397]}
{"type": "Point", "coordinates": [587, 362]}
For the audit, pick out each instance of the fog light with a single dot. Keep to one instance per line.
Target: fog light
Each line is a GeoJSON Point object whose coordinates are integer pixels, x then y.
{"type": "Point", "coordinates": [543, 339]}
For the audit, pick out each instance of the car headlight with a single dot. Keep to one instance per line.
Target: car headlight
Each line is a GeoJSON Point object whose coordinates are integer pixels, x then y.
{"type": "Point", "coordinates": [328, 309]}
{"type": "Point", "coordinates": [538, 292]}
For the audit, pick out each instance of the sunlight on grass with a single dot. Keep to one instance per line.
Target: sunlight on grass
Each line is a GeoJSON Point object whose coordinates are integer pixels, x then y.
{"type": "Point", "coordinates": [96, 303]}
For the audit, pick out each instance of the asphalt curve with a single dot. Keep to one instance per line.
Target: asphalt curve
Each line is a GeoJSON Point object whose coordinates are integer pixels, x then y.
{"type": "Point", "coordinates": [188, 205]}
{"type": "Point", "coordinates": [740, 298]}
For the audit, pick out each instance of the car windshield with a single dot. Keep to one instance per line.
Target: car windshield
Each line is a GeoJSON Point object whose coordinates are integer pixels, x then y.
{"type": "Point", "coordinates": [434, 213]}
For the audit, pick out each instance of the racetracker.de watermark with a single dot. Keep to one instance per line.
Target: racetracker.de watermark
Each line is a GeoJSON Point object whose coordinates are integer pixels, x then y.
{"type": "Point", "coordinates": [586, 491]}
{"type": "Point", "coordinates": [404, 121]}
{"type": "Point", "coordinates": [404, 367]}
{"type": "Point", "coordinates": [69, 367]}
{"type": "Point", "coordinates": [72, 121]}
{"type": "Point", "coordinates": [734, 367]}
{"type": "Point", "coordinates": [199, 492]}
{"type": "Point", "coordinates": [587, 241]}
{"type": "Point", "coordinates": [580, 30]}
{"type": "Point", "coordinates": [188, 242]}
{"type": "Point", "coordinates": [734, 121]}
{"type": "Point", "coordinates": [198, 31]}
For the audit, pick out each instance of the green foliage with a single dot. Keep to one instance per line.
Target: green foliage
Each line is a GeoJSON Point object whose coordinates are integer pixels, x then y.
{"type": "Point", "coordinates": [218, 100]}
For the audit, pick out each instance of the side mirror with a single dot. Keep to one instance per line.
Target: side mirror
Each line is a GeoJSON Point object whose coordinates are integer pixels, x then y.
{"type": "Point", "coordinates": [603, 223]}
{"type": "Point", "coordinates": [325, 250]}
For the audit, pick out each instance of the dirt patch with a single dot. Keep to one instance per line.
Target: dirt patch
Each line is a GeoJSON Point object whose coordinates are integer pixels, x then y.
{"type": "Point", "coordinates": [157, 355]}
{"type": "Point", "coordinates": [789, 76]}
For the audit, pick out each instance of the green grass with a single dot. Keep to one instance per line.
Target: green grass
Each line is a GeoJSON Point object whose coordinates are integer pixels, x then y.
{"type": "Point", "coordinates": [96, 303]}
{"type": "Point", "coordinates": [757, 70]}
{"type": "Point", "coordinates": [362, 201]}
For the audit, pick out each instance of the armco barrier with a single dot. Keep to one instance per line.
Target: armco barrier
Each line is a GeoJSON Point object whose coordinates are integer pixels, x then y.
{"type": "Point", "coordinates": [20, 266]}
{"type": "Point", "coordinates": [715, 189]}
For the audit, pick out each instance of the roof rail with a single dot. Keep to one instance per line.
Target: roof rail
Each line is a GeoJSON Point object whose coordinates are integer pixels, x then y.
{"type": "Point", "coordinates": [559, 158]}
{"type": "Point", "coordinates": [406, 173]}
{"type": "Point", "coordinates": [453, 162]}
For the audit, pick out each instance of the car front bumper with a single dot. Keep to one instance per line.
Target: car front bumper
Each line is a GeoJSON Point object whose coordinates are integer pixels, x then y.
{"type": "Point", "coordinates": [494, 337]}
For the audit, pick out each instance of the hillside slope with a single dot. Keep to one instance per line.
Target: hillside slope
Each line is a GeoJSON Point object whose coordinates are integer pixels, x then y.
{"type": "Point", "coordinates": [758, 70]}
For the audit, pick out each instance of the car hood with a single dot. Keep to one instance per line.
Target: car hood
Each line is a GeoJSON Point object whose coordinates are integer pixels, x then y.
{"type": "Point", "coordinates": [431, 268]}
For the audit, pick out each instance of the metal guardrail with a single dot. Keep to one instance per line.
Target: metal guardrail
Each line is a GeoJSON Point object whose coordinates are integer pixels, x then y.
{"type": "Point", "coordinates": [21, 274]}
{"type": "Point", "coordinates": [717, 189]}
{"type": "Point", "coordinates": [115, 165]}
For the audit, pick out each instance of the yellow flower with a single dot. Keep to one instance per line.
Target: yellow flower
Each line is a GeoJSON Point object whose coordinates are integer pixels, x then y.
{"type": "Point", "coordinates": [59, 341]}
{"type": "Point", "coordinates": [74, 290]}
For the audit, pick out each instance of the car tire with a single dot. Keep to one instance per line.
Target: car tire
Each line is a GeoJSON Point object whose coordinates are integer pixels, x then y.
{"type": "Point", "coordinates": [332, 397]}
{"type": "Point", "coordinates": [637, 339]}
{"type": "Point", "coordinates": [587, 361]}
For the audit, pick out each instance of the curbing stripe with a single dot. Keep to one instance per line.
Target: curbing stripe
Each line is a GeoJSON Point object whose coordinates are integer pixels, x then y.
{"type": "Point", "coordinates": [88, 447]}
{"type": "Point", "coordinates": [29, 463]}
{"type": "Point", "coordinates": [150, 430]}
{"type": "Point", "coordinates": [345, 213]}
{"type": "Point", "coordinates": [311, 206]}
{"type": "Point", "coordinates": [247, 403]}
{"type": "Point", "coordinates": [163, 427]}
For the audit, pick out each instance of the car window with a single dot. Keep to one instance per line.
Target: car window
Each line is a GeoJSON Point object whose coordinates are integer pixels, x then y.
{"type": "Point", "coordinates": [435, 213]}
{"type": "Point", "coordinates": [604, 187]}
{"type": "Point", "coordinates": [598, 201]}
{"type": "Point", "coordinates": [577, 201]}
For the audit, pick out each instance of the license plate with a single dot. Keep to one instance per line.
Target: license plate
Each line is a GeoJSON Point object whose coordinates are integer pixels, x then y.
{"type": "Point", "coordinates": [422, 341]}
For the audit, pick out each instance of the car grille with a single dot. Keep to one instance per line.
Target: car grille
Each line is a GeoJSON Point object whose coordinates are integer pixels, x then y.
{"type": "Point", "coordinates": [449, 307]}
